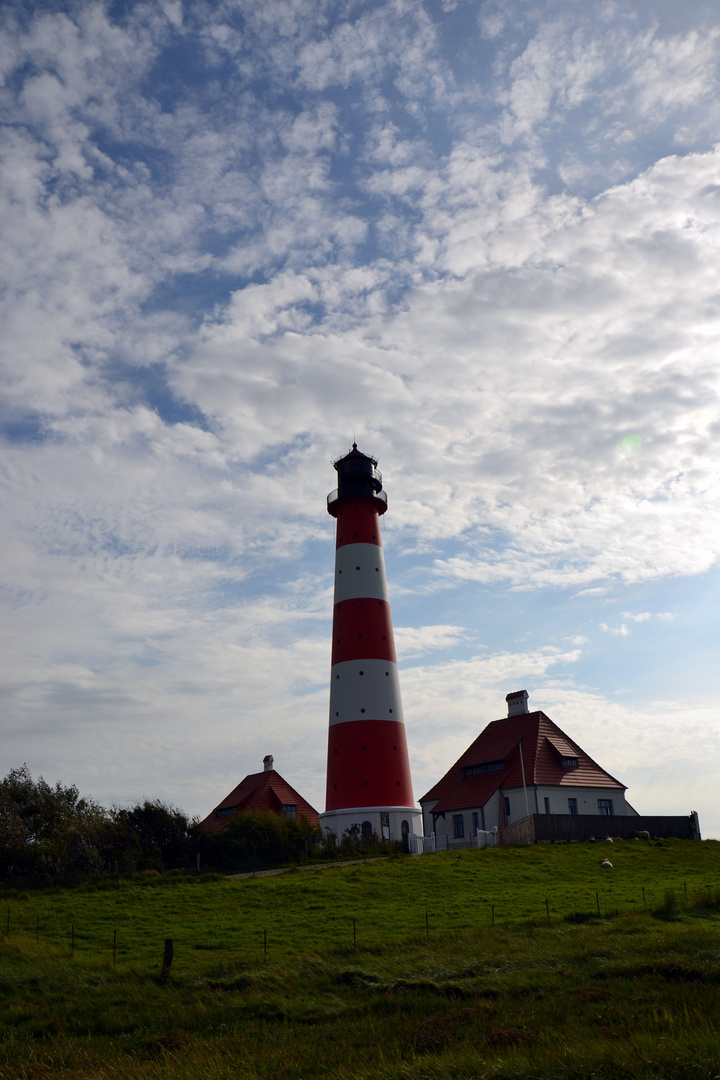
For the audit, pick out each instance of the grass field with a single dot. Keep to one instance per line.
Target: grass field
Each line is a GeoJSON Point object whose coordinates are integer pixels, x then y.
{"type": "Point", "coordinates": [632, 994]}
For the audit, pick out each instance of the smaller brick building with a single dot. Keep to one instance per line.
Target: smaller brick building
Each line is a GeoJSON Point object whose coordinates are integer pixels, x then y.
{"type": "Point", "coordinates": [265, 792]}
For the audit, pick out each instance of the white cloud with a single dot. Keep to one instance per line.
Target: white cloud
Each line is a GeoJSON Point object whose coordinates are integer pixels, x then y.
{"type": "Point", "coordinates": [413, 641]}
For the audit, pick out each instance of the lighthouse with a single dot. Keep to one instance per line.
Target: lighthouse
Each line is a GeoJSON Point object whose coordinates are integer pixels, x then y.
{"type": "Point", "coordinates": [368, 772]}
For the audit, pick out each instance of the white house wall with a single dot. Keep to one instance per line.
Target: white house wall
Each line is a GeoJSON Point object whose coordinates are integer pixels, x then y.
{"type": "Point", "coordinates": [587, 803]}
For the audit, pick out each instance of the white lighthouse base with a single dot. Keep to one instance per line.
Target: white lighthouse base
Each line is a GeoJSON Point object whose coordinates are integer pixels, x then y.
{"type": "Point", "coordinates": [386, 822]}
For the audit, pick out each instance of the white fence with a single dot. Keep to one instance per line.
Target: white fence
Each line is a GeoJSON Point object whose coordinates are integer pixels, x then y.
{"type": "Point", "coordinates": [424, 845]}
{"type": "Point", "coordinates": [486, 839]}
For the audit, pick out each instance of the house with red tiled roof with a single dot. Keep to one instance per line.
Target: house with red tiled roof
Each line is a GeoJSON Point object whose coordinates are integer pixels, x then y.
{"type": "Point", "coordinates": [519, 766]}
{"type": "Point", "coordinates": [266, 792]}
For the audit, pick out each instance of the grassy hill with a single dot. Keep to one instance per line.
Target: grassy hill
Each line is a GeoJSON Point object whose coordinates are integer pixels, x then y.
{"type": "Point", "coordinates": [489, 963]}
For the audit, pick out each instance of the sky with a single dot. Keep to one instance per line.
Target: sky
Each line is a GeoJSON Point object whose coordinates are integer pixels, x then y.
{"type": "Point", "coordinates": [481, 238]}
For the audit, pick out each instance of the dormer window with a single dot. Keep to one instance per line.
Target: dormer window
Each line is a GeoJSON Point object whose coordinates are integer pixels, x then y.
{"type": "Point", "coordinates": [569, 763]}
{"type": "Point", "coordinates": [290, 810]}
{"type": "Point", "coordinates": [484, 767]}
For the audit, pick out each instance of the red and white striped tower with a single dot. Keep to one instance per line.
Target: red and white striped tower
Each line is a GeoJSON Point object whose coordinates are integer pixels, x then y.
{"type": "Point", "coordinates": [368, 773]}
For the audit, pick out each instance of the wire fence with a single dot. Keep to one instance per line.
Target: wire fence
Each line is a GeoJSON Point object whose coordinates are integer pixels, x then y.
{"type": "Point", "coordinates": [357, 931]}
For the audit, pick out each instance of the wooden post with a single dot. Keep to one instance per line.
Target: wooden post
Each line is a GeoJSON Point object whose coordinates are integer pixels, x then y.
{"type": "Point", "coordinates": [265, 944]}
{"type": "Point", "coordinates": [354, 936]}
{"type": "Point", "coordinates": [686, 892]}
{"type": "Point", "coordinates": [37, 931]}
{"type": "Point", "coordinates": [72, 940]}
{"type": "Point", "coordinates": [8, 923]}
{"type": "Point", "coordinates": [597, 901]}
{"type": "Point", "coordinates": [492, 915]}
{"type": "Point", "coordinates": [167, 959]}
{"type": "Point", "coordinates": [427, 926]}
{"type": "Point", "coordinates": [643, 889]}
{"type": "Point", "coordinates": [114, 946]}
{"type": "Point", "coordinates": [547, 908]}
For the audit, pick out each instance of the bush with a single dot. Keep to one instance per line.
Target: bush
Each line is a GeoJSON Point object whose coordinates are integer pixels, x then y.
{"type": "Point", "coordinates": [254, 839]}
{"type": "Point", "coordinates": [670, 907]}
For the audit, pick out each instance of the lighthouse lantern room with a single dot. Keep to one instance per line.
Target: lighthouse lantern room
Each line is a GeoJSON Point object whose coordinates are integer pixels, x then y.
{"type": "Point", "coordinates": [368, 773]}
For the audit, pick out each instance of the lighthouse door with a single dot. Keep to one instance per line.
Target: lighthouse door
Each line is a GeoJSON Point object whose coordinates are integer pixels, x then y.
{"type": "Point", "coordinates": [385, 826]}
{"type": "Point", "coordinates": [405, 834]}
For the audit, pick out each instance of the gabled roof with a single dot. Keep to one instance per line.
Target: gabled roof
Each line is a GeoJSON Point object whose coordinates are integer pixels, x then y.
{"type": "Point", "coordinates": [264, 791]}
{"type": "Point", "coordinates": [544, 746]}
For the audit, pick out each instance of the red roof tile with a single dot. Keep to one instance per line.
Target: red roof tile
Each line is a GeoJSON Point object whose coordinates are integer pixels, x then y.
{"type": "Point", "coordinates": [264, 791]}
{"type": "Point", "coordinates": [544, 746]}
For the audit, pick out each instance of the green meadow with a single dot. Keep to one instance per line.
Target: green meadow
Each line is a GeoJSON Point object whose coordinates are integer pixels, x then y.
{"type": "Point", "coordinates": [504, 963]}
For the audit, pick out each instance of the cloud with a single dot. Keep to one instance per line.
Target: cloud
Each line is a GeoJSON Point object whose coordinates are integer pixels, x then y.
{"type": "Point", "coordinates": [414, 641]}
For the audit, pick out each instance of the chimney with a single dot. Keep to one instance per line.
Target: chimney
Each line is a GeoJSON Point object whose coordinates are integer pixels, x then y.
{"type": "Point", "coordinates": [268, 761]}
{"type": "Point", "coordinates": [517, 703]}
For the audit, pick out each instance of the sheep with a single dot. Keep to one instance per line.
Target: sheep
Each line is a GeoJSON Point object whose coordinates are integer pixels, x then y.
{"type": "Point", "coordinates": [606, 864]}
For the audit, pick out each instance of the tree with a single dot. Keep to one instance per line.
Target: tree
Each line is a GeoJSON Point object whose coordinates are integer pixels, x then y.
{"type": "Point", "coordinates": [152, 835]}
{"type": "Point", "coordinates": [47, 832]}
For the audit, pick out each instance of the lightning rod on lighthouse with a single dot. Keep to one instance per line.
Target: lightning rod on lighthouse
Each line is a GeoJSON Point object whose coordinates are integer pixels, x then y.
{"type": "Point", "coordinates": [368, 772]}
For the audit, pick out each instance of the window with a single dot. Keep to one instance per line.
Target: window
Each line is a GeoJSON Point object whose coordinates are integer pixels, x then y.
{"type": "Point", "coordinates": [476, 822]}
{"type": "Point", "coordinates": [569, 763]}
{"type": "Point", "coordinates": [225, 811]}
{"type": "Point", "coordinates": [572, 806]}
{"type": "Point", "coordinates": [605, 807]}
{"type": "Point", "coordinates": [547, 805]}
{"type": "Point", "coordinates": [366, 830]}
{"type": "Point", "coordinates": [289, 810]}
{"type": "Point", "coordinates": [506, 804]}
{"type": "Point", "coordinates": [458, 826]}
{"type": "Point", "coordinates": [485, 767]}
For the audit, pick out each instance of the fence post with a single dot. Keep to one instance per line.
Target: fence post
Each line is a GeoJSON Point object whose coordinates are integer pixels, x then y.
{"type": "Point", "coordinates": [72, 940]}
{"type": "Point", "coordinates": [114, 946]}
{"type": "Point", "coordinates": [427, 926]}
{"type": "Point", "coordinates": [168, 953]}
{"type": "Point", "coordinates": [597, 901]}
{"type": "Point", "coordinates": [354, 936]}
{"type": "Point", "coordinates": [492, 914]}
{"type": "Point", "coordinates": [547, 908]}
{"type": "Point", "coordinates": [37, 931]}
{"type": "Point", "coordinates": [265, 944]}
{"type": "Point", "coordinates": [643, 889]}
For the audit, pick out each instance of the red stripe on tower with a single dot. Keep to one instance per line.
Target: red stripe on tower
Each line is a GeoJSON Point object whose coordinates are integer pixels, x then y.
{"type": "Point", "coordinates": [368, 774]}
